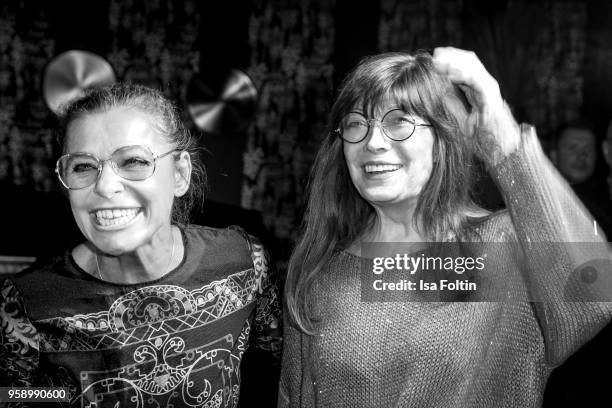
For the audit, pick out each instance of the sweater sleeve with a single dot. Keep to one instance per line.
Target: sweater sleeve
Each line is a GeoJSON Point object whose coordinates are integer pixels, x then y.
{"type": "Point", "coordinates": [289, 393]}
{"type": "Point", "coordinates": [18, 340]}
{"type": "Point", "coordinates": [564, 251]}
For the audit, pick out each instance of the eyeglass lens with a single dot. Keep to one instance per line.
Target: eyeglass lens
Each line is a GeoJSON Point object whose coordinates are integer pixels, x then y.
{"type": "Point", "coordinates": [131, 162]}
{"type": "Point", "coordinates": [397, 124]}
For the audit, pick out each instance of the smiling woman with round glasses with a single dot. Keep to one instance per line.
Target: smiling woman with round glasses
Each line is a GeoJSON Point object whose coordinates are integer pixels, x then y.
{"type": "Point", "coordinates": [148, 310]}
{"type": "Point", "coordinates": [396, 170]}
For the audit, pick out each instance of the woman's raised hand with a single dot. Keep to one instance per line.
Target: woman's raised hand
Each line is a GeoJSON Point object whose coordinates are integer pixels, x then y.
{"type": "Point", "coordinates": [497, 132]}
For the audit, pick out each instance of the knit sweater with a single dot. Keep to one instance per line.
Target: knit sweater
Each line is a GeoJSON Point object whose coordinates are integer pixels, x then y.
{"type": "Point", "coordinates": [461, 354]}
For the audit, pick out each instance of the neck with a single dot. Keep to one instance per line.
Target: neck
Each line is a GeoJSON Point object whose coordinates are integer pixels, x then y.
{"type": "Point", "coordinates": [145, 264]}
{"type": "Point", "coordinates": [394, 224]}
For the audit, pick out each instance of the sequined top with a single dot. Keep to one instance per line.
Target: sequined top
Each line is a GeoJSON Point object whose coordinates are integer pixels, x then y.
{"type": "Point", "coordinates": [465, 353]}
{"type": "Point", "coordinates": [176, 341]}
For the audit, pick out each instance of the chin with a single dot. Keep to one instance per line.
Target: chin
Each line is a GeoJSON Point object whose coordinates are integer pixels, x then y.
{"type": "Point", "coordinates": [392, 201]}
{"type": "Point", "coordinates": [114, 244]}
{"type": "Point", "coordinates": [387, 198]}
{"type": "Point", "coordinates": [113, 249]}
{"type": "Point", "coordinates": [577, 179]}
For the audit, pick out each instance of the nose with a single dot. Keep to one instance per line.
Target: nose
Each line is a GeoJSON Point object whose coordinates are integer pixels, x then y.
{"type": "Point", "coordinates": [109, 182]}
{"type": "Point", "coordinates": [376, 140]}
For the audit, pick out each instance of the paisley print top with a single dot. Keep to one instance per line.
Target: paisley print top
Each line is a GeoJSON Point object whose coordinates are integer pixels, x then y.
{"type": "Point", "coordinates": [177, 341]}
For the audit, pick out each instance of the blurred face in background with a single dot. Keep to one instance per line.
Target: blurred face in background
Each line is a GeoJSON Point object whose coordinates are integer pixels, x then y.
{"type": "Point", "coordinates": [607, 152]}
{"type": "Point", "coordinates": [576, 154]}
{"type": "Point", "coordinates": [607, 146]}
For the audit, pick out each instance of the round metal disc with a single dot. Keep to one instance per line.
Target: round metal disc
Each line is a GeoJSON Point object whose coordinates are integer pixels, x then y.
{"type": "Point", "coordinates": [222, 105]}
{"type": "Point", "coordinates": [68, 74]}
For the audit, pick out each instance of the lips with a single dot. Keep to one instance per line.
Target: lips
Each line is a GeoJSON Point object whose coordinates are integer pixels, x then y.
{"type": "Point", "coordinates": [115, 216]}
{"type": "Point", "coordinates": [378, 168]}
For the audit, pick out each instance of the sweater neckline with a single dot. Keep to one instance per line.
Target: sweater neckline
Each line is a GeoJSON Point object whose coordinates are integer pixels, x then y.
{"type": "Point", "coordinates": [360, 258]}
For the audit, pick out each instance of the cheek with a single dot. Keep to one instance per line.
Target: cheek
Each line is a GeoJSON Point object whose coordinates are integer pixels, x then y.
{"type": "Point", "coordinates": [79, 211]}
{"type": "Point", "coordinates": [346, 150]}
{"type": "Point", "coordinates": [419, 175]}
{"type": "Point", "coordinates": [421, 162]}
{"type": "Point", "coordinates": [159, 196]}
{"type": "Point", "coordinates": [355, 174]}
{"type": "Point", "coordinates": [565, 156]}
{"type": "Point", "coordinates": [78, 201]}
{"type": "Point", "coordinates": [350, 157]}
{"type": "Point", "coordinates": [592, 156]}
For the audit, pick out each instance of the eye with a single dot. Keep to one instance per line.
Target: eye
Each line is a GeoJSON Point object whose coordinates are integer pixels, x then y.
{"type": "Point", "coordinates": [354, 120]}
{"type": "Point", "coordinates": [399, 120]}
{"type": "Point", "coordinates": [83, 167]}
{"type": "Point", "coordinates": [355, 124]}
{"type": "Point", "coordinates": [134, 161]}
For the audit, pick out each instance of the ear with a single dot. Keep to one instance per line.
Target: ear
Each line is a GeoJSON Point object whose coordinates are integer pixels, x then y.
{"type": "Point", "coordinates": [182, 174]}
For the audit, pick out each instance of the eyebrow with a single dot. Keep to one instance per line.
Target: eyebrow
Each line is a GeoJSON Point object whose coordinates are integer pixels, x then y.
{"type": "Point", "coordinates": [361, 112]}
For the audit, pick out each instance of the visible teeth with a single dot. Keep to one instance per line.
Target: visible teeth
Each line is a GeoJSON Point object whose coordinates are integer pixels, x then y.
{"type": "Point", "coordinates": [115, 217]}
{"type": "Point", "coordinates": [371, 168]}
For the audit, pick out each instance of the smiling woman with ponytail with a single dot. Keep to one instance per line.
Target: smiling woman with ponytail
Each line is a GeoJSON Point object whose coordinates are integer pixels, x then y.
{"type": "Point", "coordinates": [148, 310]}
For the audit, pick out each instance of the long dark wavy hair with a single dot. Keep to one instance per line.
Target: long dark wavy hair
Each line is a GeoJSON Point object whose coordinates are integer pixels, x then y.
{"type": "Point", "coordinates": [336, 215]}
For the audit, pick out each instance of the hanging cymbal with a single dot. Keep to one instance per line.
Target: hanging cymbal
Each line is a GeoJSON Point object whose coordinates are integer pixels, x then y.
{"type": "Point", "coordinates": [222, 105]}
{"type": "Point", "coordinates": [68, 74]}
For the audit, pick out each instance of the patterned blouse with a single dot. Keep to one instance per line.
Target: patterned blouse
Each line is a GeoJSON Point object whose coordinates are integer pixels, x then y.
{"type": "Point", "coordinates": [176, 341]}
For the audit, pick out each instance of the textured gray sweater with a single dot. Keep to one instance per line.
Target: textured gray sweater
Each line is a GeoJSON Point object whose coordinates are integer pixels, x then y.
{"type": "Point", "coordinates": [463, 354]}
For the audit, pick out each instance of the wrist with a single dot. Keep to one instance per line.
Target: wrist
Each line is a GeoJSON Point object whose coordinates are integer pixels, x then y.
{"type": "Point", "coordinates": [499, 134]}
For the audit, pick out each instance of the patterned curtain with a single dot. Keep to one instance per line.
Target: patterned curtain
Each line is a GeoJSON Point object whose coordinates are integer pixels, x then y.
{"type": "Point", "coordinates": [153, 43]}
{"type": "Point", "coordinates": [291, 45]}
{"type": "Point", "coordinates": [419, 24]}
{"type": "Point", "coordinates": [26, 145]}
{"type": "Point", "coordinates": [565, 87]}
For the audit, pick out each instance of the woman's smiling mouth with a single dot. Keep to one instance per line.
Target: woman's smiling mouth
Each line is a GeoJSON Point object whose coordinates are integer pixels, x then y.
{"type": "Point", "coordinates": [381, 168]}
{"type": "Point", "coordinates": [114, 216]}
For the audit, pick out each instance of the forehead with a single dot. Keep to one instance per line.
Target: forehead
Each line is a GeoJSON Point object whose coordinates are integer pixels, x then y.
{"type": "Point", "coordinates": [574, 136]}
{"type": "Point", "coordinates": [377, 110]}
{"type": "Point", "coordinates": [379, 103]}
{"type": "Point", "coordinates": [103, 132]}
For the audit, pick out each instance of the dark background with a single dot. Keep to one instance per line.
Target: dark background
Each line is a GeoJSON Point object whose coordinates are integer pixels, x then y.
{"type": "Point", "coordinates": [553, 60]}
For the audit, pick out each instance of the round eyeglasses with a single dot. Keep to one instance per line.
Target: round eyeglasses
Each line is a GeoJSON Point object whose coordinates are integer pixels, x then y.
{"type": "Point", "coordinates": [80, 170]}
{"type": "Point", "coordinates": [396, 125]}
